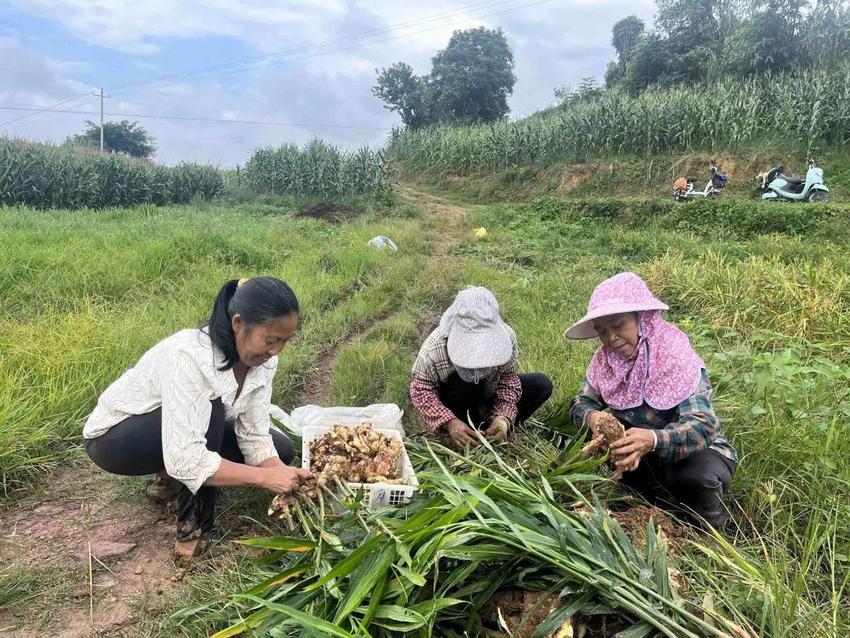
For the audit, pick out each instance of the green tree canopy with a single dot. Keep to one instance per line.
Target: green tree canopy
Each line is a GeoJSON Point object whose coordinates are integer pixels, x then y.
{"type": "Point", "coordinates": [125, 137]}
{"type": "Point", "coordinates": [404, 92]}
{"type": "Point", "coordinates": [624, 36]}
{"type": "Point", "coordinates": [470, 81]}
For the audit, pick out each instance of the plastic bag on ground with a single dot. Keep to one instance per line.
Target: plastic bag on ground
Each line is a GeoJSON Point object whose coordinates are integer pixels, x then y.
{"type": "Point", "coordinates": [382, 242]}
{"type": "Point", "coordinates": [381, 415]}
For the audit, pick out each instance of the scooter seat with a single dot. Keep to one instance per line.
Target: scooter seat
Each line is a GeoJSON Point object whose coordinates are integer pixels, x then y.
{"type": "Point", "coordinates": [792, 179]}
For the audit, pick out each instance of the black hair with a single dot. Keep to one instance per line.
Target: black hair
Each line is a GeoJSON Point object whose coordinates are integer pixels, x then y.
{"type": "Point", "coordinates": [256, 301]}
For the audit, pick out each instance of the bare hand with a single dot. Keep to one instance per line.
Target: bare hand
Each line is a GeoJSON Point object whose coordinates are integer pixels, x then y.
{"type": "Point", "coordinates": [461, 434]}
{"type": "Point", "coordinates": [282, 479]}
{"type": "Point", "coordinates": [628, 451]}
{"type": "Point", "coordinates": [498, 429]}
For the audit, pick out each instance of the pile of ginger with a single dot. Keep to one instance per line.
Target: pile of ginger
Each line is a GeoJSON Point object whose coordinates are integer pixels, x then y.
{"type": "Point", "coordinates": [346, 454]}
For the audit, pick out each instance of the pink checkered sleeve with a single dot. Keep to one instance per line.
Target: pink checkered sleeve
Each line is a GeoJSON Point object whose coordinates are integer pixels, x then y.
{"type": "Point", "coordinates": [508, 393]}
{"type": "Point", "coordinates": [424, 396]}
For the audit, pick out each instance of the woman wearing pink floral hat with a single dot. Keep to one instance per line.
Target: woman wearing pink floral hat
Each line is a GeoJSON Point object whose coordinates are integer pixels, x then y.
{"type": "Point", "coordinates": [648, 375]}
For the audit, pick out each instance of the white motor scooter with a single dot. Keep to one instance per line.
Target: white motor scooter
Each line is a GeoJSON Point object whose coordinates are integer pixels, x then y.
{"type": "Point", "coordinates": [684, 188]}
{"type": "Point", "coordinates": [810, 188]}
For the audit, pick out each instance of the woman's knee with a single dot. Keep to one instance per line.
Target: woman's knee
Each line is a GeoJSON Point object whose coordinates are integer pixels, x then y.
{"type": "Point", "coordinates": [701, 474]}
{"type": "Point", "coordinates": [537, 385]}
{"type": "Point", "coordinates": [284, 447]}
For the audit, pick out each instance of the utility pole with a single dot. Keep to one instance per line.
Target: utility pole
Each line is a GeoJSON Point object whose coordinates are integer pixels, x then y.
{"type": "Point", "coordinates": [101, 96]}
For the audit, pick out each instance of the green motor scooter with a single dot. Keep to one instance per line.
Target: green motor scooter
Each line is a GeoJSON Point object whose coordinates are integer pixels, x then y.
{"type": "Point", "coordinates": [780, 187]}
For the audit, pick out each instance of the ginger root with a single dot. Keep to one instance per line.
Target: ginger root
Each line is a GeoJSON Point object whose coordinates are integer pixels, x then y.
{"type": "Point", "coordinates": [608, 430]}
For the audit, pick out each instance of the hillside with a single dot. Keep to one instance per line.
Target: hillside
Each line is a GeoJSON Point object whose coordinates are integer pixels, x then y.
{"type": "Point", "coordinates": [617, 144]}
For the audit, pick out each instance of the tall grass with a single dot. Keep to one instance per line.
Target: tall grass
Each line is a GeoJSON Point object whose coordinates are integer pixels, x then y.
{"type": "Point", "coordinates": [804, 110]}
{"type": "Point", "coordinates": [49, 176]}
{"type": "Point", "coordinates": [317, 170]}
{"type": "Point", "coordinates": [808, 300]}
{"type": "Point", "coordinates": [85, 293]}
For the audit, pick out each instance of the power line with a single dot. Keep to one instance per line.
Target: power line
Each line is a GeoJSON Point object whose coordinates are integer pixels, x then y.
{"type": "Point", "coordinates": [338, 50]}
{"type": "Point", "coordinates": [154, 81]}
{"type": "Point", "coordinates": [187, 118]}
{"type": "Point", "coordinates": [46, 108]}
{"type": "Point", "coordinates": [302, 49]}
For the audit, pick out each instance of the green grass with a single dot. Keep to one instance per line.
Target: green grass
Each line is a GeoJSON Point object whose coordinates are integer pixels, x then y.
{"type": "Point", "coordinates": [85, 294]}
{"type": "Point", "coordinates": [764, 299]}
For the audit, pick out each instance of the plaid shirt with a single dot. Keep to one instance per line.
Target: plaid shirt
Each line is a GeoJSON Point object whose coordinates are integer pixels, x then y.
{"type": "Point", "coordinates": [433, 367]}
{"type": "Point", "coordinates": [688, 428]}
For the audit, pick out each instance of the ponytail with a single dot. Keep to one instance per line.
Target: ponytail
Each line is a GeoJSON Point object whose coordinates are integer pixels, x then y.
{"type": "Point", "coordinates": [255, 301]}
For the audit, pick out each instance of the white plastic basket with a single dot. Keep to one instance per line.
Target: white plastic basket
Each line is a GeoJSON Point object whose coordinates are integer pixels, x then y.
{"type": "Point", "coordinates": [374, 494]}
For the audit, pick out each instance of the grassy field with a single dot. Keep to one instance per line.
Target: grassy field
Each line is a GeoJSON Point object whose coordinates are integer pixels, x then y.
{"type": "Point", "coordinates": [85, 293]}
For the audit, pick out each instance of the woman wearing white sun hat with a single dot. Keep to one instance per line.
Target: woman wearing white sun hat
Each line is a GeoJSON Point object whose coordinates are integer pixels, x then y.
{"type": "Point", "coordinates": [650, 378]}
{"type": "Point", "coordinates": [466, 372]}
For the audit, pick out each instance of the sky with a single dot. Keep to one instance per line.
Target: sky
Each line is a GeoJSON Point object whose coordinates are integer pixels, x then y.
{"type": "Point", "coordinates": [309, 64]}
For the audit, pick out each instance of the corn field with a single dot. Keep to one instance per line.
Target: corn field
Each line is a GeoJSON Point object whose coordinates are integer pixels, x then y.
{"type": "Point", "coordinates": [808, 110]}
{"type": "Point", "coordinates": [317, 170]}
{"type": "Point", "coordinates": [49, 176]}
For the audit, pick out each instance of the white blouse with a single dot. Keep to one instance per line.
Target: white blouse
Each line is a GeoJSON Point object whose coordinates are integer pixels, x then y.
{"type": "Point", "coordinates": [180, 374]}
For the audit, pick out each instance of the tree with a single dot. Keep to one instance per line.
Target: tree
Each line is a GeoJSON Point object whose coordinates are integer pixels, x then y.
{"type": "Point", "coordinates": [404, 92]}
{"type": "Point", "coordinates": [769, 40]}
{"type": "Point", "coordinates": [473, 77]}
{"type": "Point", "coordinates": [587, 90]}
{"type": "Point", "coordinates": [624, 36]}
{"type": "Point", "coordinates": [648, 64]}
{"type": "Point", "coordinates": [688, 24]}
{"type": "Point", "coordinates": [118, 137]}
{"type": "Point", "coordinates": [826, 33]}
{"type": "Point", "coordinates": [692, 32]}
{"type": "Point", "coordinates": [470, 81]}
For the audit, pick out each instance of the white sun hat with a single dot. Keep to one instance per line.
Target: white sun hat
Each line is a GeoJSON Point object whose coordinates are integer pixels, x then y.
{"type": "Point", "coordinates": [477, 336]}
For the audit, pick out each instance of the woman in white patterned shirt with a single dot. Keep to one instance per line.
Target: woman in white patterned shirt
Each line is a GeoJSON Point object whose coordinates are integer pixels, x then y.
{"type": "Point", "coordinates": [195, 408]}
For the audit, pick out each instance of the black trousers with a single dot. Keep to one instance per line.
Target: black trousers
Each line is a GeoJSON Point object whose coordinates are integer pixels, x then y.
{"type": "Point", "coordinates": [695, 485]}
{"type": "Point", "coordinates": [468, 400]}
{"type": "Point", "coordinates": [134, 448]}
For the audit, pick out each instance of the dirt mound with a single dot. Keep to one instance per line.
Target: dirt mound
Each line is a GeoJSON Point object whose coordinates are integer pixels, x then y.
{"type": "Point", "coordinates": [634, 523]}
{"type": "Point", "coordinates": [518, 610]}
{"type": "Point", "coordinates": [330, 213]}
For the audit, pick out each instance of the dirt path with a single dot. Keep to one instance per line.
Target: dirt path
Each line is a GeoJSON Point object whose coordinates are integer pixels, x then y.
{"type": "Point", "coordinates": [84, 509]}
{"type": "Point", "coordinates": [449, 217]}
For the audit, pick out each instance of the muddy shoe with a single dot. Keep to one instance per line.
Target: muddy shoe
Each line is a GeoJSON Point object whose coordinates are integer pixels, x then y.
{"type": "Point", "coordinates": [186, 550]}
{"type": "Point", "coordinates": [163, 488]}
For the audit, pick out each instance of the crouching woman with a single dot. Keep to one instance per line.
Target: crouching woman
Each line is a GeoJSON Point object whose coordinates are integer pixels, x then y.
{"type": "Point", "coordinates": [466, 372]}
{"type": "Point", "coordinates": [195, 408]}
{"type": "Point", "coordinates": [648, 375]}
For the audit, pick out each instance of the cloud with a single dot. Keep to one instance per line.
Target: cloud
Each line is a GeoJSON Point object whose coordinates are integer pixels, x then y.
{"type": "Point", "coordinates": [131, 26]}
{"type": "Point", "coordinates": [554, 44]}
{"type": "Point", "coordinates": [32, 77]}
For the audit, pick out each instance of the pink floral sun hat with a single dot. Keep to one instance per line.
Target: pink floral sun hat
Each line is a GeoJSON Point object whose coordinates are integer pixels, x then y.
{"type": "Point", "coordinates": [664, 369]}
{"type": "Point", "coordinates": [625, 292]}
